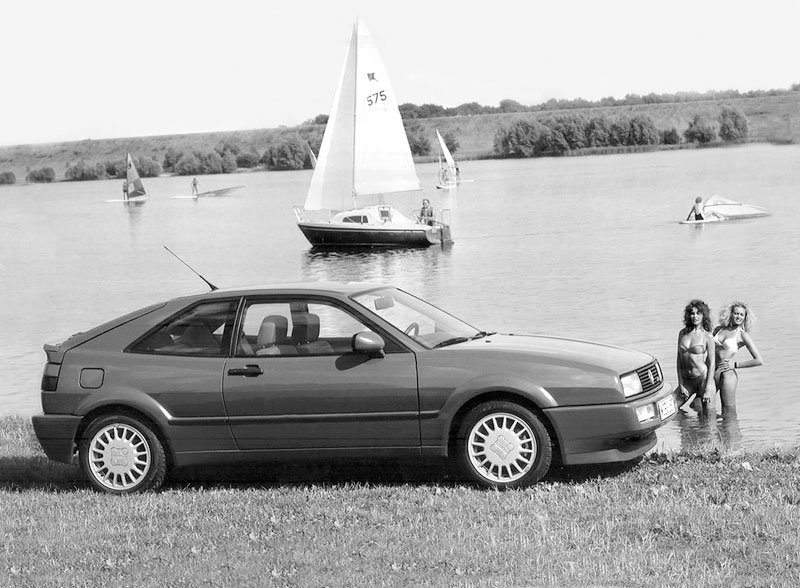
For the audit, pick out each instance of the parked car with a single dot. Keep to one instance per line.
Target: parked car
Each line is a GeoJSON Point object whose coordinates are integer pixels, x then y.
{"type": "Point", "coordinates": [337, 370]}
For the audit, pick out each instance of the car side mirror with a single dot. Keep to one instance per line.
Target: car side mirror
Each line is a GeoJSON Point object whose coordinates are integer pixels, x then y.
{"type": "Point", "coordinates": [369, 343]}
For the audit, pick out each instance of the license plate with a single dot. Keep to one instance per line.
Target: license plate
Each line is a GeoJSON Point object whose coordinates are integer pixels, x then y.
{"type": "Point", "coordinates": [667, 407]}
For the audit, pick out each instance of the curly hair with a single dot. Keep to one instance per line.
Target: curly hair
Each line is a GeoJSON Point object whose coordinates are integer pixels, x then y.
{"type": "Point", "coordinates": [726, 316]}
{"type": "Point", "coordinates": [703, 308]}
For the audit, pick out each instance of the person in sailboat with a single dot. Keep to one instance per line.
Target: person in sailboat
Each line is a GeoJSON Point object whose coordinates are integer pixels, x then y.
{"type": "Point", "coordinates": [194, 186]}
{"type": "Point", "coordinates": [426, 214]}
{"type": "Point", "coordinates": [735, 322]}
{"type": "Point", "coordinates": [696, 358]}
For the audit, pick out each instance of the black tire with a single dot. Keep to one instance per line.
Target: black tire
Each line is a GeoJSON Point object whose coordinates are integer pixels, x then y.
{"type": "Point", "coordinates": [122, 455]}
{"type": "Point", "coordinates": [503, 445]}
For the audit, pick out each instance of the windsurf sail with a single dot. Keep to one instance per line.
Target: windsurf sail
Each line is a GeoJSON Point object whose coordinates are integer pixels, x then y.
{"type": "Point", "coordinates": [135, 187]}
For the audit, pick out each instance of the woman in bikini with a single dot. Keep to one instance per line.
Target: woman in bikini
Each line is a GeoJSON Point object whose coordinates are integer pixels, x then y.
{"type": "Point", "coordinates": [696, 359]}
{"type": "Point", "coordinates": [735, 322]}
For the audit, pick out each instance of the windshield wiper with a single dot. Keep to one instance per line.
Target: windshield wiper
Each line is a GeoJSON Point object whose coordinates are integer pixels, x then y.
{"type": "Point", "coordinates": [451, 341]}
{"type": "Point", "coordinates": [481, 335]}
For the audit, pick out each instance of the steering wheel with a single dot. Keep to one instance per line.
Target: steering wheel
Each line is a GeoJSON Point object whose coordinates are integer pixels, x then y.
{"type": "Point", "coordinates": [412, 329]}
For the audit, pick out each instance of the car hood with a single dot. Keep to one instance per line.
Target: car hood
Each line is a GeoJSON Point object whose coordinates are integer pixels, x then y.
{"type": "Point", "coordinates": [562, 350]}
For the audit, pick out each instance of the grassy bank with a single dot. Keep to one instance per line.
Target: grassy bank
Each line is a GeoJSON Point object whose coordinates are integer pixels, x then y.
{"type": "Point", "coordinates": [669, 520]}
{"type": "Point", "coordinates": [771, 118]}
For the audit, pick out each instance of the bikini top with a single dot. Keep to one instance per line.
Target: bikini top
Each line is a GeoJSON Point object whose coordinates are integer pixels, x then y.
{"type": "Point", "coordinates": [730, 343]}
{"type": "Point", "coordinates": [694, 349]}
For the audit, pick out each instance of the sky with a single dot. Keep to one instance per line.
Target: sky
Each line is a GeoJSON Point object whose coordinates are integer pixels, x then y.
{"type": "Point", "coordinates": [93, 69]}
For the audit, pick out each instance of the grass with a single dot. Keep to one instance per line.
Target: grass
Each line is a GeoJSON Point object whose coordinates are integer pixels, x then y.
{"type": "Point", "coordinates": [771, 119]}
{"type": "Point", "coordinates": [677, 519]}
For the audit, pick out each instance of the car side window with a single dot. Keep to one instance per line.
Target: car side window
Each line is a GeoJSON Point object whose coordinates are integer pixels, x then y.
{"type": "Point", "coordinates": [296, 328]}
{"type": "Point", "coordinates": [203, 330]}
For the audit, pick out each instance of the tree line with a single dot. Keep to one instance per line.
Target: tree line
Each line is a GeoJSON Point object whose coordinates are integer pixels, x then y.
{"type": "Point", "coordinates": [564, 133]}
{"type": "Point", "coordinates": [507, 106]}
{"type": "Point", "coordinates": [555, 134]}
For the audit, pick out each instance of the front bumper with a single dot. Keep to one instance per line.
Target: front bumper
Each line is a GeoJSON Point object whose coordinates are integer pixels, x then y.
{"type": "Point", "coordinates": [56, 434]}
{"type": "Point", "coordinates": [608, 433]}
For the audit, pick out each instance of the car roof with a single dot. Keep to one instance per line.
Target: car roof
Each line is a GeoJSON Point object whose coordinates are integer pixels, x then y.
{"type": "Point", "coordinates": [347, 289]}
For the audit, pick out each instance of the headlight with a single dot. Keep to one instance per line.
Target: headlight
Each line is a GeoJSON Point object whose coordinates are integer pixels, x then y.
{"type": "Point", "coordinates": [631, 384]}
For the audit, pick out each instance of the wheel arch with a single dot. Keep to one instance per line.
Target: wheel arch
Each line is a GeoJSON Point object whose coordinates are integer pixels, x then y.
{"type": "Point", "coordinates": [499, 395]}
{"type": "Point", "coordinates": [129, 411]}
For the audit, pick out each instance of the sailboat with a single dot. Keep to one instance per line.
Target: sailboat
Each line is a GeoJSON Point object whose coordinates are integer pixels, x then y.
{"type": "Point", "coordinates": [365, 157]}
{"type": "Point", "coordinates": [135, 191]}
{"type": "Point", "coordinates": [449, 174]}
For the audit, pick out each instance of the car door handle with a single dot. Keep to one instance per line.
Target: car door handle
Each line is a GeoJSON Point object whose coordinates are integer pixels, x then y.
{"type": "Point", "coordinates": [249, 371]}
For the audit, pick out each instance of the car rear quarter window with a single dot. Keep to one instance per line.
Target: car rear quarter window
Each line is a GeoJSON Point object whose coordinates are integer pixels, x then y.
{"type": "Point", "coordinates": [203, 330]}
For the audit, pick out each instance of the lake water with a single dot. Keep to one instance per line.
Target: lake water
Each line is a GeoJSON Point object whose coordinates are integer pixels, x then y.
{"type": "Point", "coordinates": [584, 247]}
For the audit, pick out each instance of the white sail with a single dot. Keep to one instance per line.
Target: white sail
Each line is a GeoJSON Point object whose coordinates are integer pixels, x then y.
{"type": "Point", "coordinates": [135, 187]}
{"type": "Point", "coordinates": [446, 152]}
{"type": "Point", "coordinates": [364, 149]}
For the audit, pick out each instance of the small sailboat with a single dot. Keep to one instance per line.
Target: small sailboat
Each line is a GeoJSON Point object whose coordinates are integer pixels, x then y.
{"type": "Point", "coordinates": [135, 190]}
{"type": "Point", "coordinates": [717, 209]}
{"type": "Point", "coordinates": [363, 159]}
{"type": "Point", "coordinates": [449, 174]}
{"type": "Point", "coordinates": [132, 189]}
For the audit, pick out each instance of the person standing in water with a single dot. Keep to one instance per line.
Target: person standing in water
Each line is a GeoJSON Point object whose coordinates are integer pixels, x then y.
{"type": "Point", "coordinates": [733, 332]}
{"type": "Point", "coordinates": [696, 359]}
{"type": "Point", "coordinates": [697, 210]}
{"type": "Point", "coordinates": [194, 186]}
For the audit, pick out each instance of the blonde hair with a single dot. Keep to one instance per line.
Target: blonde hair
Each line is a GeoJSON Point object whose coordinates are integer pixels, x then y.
{"type": "Point", "coordinates": [726, 316]}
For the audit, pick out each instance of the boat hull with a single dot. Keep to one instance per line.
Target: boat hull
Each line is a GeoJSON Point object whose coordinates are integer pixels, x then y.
{"type": "Point", "coordinates": [328, 235]}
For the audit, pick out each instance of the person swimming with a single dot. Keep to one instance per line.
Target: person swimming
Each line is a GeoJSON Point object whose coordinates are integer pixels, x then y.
{"type": "Point", "coordinates": [696, 359]}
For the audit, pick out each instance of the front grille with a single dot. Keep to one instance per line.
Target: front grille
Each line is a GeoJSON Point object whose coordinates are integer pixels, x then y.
{"type": "Point", "coordinates": [650, 376]}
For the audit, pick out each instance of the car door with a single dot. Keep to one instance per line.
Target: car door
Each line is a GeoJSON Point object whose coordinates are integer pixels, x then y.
{"type": "Point", "coordinates": [294, 381]}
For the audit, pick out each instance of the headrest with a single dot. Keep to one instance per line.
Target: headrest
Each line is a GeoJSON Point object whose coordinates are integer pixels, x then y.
{"type": "Point", "coordinates": [266, 334]}
{"type": "Point", "coordinates": [281, 326]}
{"type": "Point", "coordinates": [306, 328]}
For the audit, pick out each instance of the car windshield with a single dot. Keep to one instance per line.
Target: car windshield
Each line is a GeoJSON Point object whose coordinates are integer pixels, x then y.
{"type": "Point", "coordinates": [421, 321]}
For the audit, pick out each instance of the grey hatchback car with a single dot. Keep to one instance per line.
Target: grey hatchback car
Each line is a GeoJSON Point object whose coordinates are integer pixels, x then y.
{"type": "Point", "coordinates": [328, 371]}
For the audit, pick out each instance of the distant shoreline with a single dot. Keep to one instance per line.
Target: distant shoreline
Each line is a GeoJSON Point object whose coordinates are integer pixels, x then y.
{"type": "Point", "coordinates": [772, 119]}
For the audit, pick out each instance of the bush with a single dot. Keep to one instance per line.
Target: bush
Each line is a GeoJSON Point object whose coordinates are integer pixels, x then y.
{"type": "Point", "coordinates": [44, 174]}
{"type": "Point", "coordinates": [733, 124]}
{"type": "Point", "coordinates": [567, 132]}
{"type": "Point", "coordinates": [290, 153]}
{"type": "Point", "coordinates": [521, 139]}
{"type": "Point", "coordinates": [700, 131]}
{"type": "Point", "coordinates": [171, 158]}
{"type": "Point", "coordinates": [669, 137]}
{"type": "Point", "coordinates": [417, 141]}
{"type": "Point", "coordinates": [643, 130]}
{"type": "Point", "coordinates": [8, 177]}
{"type": "Point", "coordinates": [83, 171]}
{"type": "Point", "coordinates": [147, 167]}
{"type": "Point", "coordinates": [247, 160]}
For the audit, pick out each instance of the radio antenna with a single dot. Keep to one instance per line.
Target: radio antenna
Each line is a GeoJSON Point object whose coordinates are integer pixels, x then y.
{"type": "Point", "coordinates": [210, 285]}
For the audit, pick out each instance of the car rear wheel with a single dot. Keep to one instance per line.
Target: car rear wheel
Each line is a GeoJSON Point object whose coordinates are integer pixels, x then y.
{"type": "Point", "coordinates": [504, 445]}
{"type": "Point", "coordinates": [122, 455]}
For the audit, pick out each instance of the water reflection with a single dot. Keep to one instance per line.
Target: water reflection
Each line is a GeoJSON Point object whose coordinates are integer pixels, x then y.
{"type": "Point", "coordinates": [703, 428]}
{"type": "Point", "coordinates": [384, 265]}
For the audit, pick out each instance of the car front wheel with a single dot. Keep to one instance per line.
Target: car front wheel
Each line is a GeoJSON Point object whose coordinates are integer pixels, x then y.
{"type": "Point", "coordinates": [122, 455]}
{"type": "Point", "coordinates": [504, 445]}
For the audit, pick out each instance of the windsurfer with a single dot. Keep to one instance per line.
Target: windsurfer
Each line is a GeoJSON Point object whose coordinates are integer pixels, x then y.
{"type": "Point", "coordinates": [125, 189]}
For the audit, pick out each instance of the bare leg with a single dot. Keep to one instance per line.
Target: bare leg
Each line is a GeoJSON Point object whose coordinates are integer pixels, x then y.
{"type": "Point", "coordinates": [726, 384]}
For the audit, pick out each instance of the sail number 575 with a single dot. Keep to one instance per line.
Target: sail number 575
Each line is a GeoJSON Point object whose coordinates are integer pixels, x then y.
{"type": "Point", "coordinates": [376, 97]}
